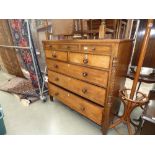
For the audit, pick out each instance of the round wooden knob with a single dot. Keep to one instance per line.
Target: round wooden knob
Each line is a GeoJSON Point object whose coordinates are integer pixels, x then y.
{"type": "Point", "coordinates": [56, 79]}
{"type": "Point", "coordinates": [50, 46]}
{"type": "Point", "coordinates": [82, 108]}
{"type": "Point", "coordinates": [55, 66]}
{"type": "Point", "coordinates": [54, 55]}
{"type": "Point", "coordinates": [56, 94]}
{"type": "Point", "coordinates": [68, 47]}
{"type": "Point", "coordinates": [84, 90]}
{"type": "Point", "coordinates": [93, 49]}
{"type": "Point", "coordinates": [85, 61]}
{"type": "Point", "coordinates": [84, 74]}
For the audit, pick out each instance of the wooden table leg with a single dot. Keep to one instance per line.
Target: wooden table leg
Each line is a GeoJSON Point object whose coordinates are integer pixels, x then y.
{"type": "Point", "coordinates": [51, 98]}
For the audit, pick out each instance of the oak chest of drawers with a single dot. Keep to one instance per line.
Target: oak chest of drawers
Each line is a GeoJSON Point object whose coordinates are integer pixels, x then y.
{"type": "Point", "coordinates": [86, 75]}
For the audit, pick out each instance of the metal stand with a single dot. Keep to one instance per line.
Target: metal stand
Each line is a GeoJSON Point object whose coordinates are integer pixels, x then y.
{"type": "Point", "coordinates": [41, 86]}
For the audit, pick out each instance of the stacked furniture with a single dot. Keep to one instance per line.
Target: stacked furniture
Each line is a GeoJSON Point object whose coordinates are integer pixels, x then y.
{"type": "Point", "coordinates": [86, 75]}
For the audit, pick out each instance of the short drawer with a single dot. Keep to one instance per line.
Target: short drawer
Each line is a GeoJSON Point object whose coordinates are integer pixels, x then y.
{"type": "Point", "coordinates": [86, 90]}
{"type": "Point", "coordinates": [63, 47]}
{"type": "Point", "coordinates": [57, 55]}
{"type": "Point", "coordinates": [96, 48]}
{"type": "Point", "coordinates": [93, 76]}
{"type": "Point", "coordinates": [100, 61]}
{"type": "Point", "coordinates": [84, 107]}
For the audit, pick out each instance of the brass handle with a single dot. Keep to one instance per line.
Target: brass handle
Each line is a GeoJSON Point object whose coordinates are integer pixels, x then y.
{"type": "Point", "coordinates": [84, 90]}
{"type": "Point", "coordinates": [85, 61]}
{"type": "Point", "coordinates": [55, 66]}
{"type": "Point", "coordinates": [56, 79]}
{"type": "Point", "coordinates": [85, 48]}
{"type": "Point", "coordinates": [84, 74]}
{"type": "Point", "coordinates": [56, 94]}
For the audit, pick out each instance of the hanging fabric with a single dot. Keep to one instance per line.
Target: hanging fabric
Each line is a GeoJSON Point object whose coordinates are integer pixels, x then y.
{"type": "Point", "coordinates": [21, 37]}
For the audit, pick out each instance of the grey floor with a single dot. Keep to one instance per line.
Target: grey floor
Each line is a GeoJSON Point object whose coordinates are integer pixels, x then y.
{"type": "Point", "coordinates": [51, 117]}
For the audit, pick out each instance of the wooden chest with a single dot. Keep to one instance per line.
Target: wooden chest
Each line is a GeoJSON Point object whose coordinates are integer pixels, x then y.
{"type": "Point", "coordinates": [86, 75]}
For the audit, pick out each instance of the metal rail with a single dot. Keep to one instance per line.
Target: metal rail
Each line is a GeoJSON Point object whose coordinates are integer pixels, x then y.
{"type": "Point", "coordinates": [31, 50]}
{"type": "Point", "coordinates": [41, 88]}
{"type": "Point", "coordinates": [16, 47]}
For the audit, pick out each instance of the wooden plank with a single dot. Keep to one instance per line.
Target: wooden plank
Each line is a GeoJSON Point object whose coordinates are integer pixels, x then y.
{"type": "Point", "coordinates": [2, 67]}
{"type": "Point", "coordinates": [8, 55]}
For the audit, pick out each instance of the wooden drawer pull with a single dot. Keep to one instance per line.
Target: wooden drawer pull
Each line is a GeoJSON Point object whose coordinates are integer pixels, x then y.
{"type": "Point", "coordinates": [82, 108]}
{"type": "Point", "coordinates": [50, 46]}
{"type": "Point", "coordinates": [54, 55]}
{"type": "Point", "coordinates": [84, 74]}
{"type": "Point", "coordinates": [68, 47]}
{"type": "Point", "coordinates": [84, 90]}
{"type": "Point", "coordinates": [93, 49]}
{"type": "Point", "coordinates": [56, 94]}
{"type": "Point", "coordinates": [56, 79]}
{"type": "Point", "coordinates": [85, 61]}
{"type": "Point", "coordinates": [55, 66]}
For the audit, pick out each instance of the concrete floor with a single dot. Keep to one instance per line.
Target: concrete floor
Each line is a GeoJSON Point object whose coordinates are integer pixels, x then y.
{"type": "Point", "coordinates": [51, 117]}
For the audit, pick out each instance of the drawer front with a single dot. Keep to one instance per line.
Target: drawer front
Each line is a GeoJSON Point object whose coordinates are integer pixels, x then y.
{"type": "Point", "coordinates": [91, 92]}
{"type": "Point", "coordinates": [94, 76]}
{"type": "Point", "coordinates": [96, 48]}
{"type": "Point", "coordinates": [100, 61]}
{"type": "Point", "coordinates": [57, 55]}
{"type": "Point", "coordinates": [86, 108]}
{"type": "Point", "coordinates": [62, 47]}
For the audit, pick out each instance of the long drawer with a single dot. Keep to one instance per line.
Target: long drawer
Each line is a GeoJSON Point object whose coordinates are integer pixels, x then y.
{"type": "Point", "coordinates": [86, 108]}
{"type": "Point", "coordinates": [94, 76]}
{"type": "Point", "coordinates": [89, 91]}
{"type": "Point", "coordinates": [57, 55]}
{"type": "Point", "coordinates": [106, 49]}
{"type": "Point", "coordinates": [94, 60]}
{"type": "Point", "coordinates": [62, 47]}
